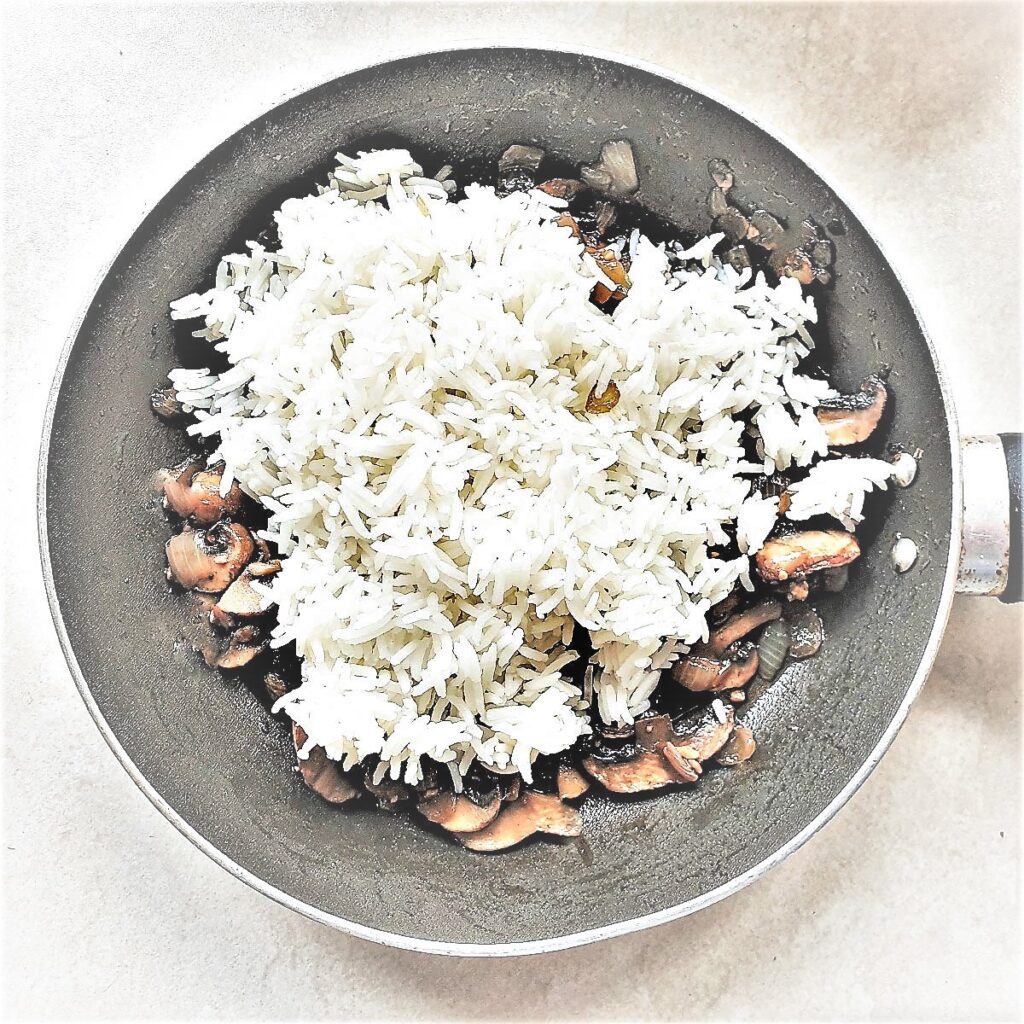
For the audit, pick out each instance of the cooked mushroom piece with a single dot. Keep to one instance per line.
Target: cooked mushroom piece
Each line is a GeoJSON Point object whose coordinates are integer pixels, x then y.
{"type": "Point", "coordinates": [743, 623]}
{"type": "Point", "coordinates": [532, 812]}
{"type": "Point", "coordinates": [801, 553]}
{"type": "Point", "coordinates": [645, 771]}
{"type": "Point", "coordinates": [240, 600]}
{"type": "Point", "coordinates": [721, 173]}
{"type": "Point", "coordinates": [209, 560]}
{"type": "Point", "coordinates": [706, 669]}
{"type": "Point", "coordinates": [244, 645]}
{"type": "Point", "coordinates": [706, 731]}
{"type": "Point", "coordinates": [517, 168]}
{"type": "Point", "coordinates": [614, 174]}
{"type": "Point", "coordinates": [561, 188]}
{"type": "Point", "coordinates": [194, 493]}
{"type": "Point", "coordinates": [740, 746]}
{"type": "Point", "coordinates": [164, 402]}
{"type": "Point", "coordinates": [571, 782]}
{"type": "Point", "coordinates": [387, 792]}
{"type": "Point", "coordinates": [320, 773]}
{"type": "Point", "coordinates": [850, 419]}
{"type": "Point", "coordinates": [458, 812]}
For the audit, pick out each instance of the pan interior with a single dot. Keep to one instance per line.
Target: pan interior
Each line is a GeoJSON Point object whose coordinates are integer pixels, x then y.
{"type": "Point", "coordinates": [206, 745]}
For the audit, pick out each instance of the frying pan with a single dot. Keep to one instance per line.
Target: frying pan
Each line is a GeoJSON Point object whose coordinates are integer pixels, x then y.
{"type": "Point", "coordinates": [204, 749]}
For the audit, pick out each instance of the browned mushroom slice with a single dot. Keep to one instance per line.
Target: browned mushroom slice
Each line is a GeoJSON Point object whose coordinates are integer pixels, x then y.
{"type": "Point", "coordinates": [732, 224]}
{"type": "Point", "coordinates": [740, 746]}
{"type": "Point", "coordinates": [721, 173]}
{"type": "Point", "coordinates": [388, 792]}
{"type": "Point", "coordinates": [275, 686]}
{"type": "Point", "coordinates": [801, 553]}
{"type": "Point", "coordinates": [705, 733]}
{"type": "Point", "coordinates": [244, 645]}
{"type": "Point", "coordinates": [614, 174]}
{"type": "Point", "coordinates": [240, 600]}
{"type": "Point", "coordinates": [794, 263]}
{"type": "Point", "coordinates": [209, 560]}
{"type": "Point", "coordinates": [744, 622]}
{"type": "Point", "coordinates": [532, 812]}
{"type": "Point", "coordinates": [194, 493]}
{"type": "Point", "coordinates": [458, 813]}
{"type": "Point", "coordinates": [699, 670]}
{"type": "Point", "coordinates": [164, 402]}
{"type": "Point", "coordinates": [704, 669]}
{"type": "Point", "coordinates": [517, 168]}
{"type": "Point", "coordinates": [571, 782]}
{"type": "Point", "coordinates": [647, 770]}
{"type": "Point", "coordinates": [561, 188]}
{"type": "Point", "coordinates": [850, 419]}
{"type": "Point", "coordinates": [321, 774]}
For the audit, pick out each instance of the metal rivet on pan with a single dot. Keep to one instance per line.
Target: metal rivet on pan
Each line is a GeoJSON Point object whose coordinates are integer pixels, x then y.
{"type": "Point", "coordinates": [904, 554]}
{"type": "Point", "coordinates": [904, 469]}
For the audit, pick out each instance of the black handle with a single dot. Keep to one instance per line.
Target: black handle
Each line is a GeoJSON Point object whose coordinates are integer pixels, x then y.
{"type": "Point", "coordinates": [1014, 452]}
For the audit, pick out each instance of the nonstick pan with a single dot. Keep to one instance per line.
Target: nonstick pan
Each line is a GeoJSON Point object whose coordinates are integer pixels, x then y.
{"type": "Point", "coordinates": [204, 749]}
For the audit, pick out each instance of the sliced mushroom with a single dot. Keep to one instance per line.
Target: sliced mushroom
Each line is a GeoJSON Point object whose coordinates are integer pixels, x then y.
{"type": "Point", "coordinates": [209, 560]}
{"type": "Point", "coordinates": [517, 168]}
{"type": "Point", "coordinates": [850, 419]}
{"type": "Point", "coordinates": [732, 224]}
{"type": "Point", "coordinates": [388, 792]}
{"type": "Point", "coordinates": [194, 493]}
{"type": "Point", "coordinates": [739, 747]}
{"type": "Point", "coordinates": [614, 175]}
{"type": "Point", "coordinates": [706, 669]}
{"type": "Point", "coordinates": [561, 188]}
{"type": "Point", "coordinates": [743, 623]}
{"type": "Point", "coordinates": [645, 771]}
{"type": "Point", "coordinates": [571, 782]}
{"type": "Point", "coordinates": [721, 173]}
{"type": "Point", "coordinates": [532, 812]}
{"type": "Point", "coordinates": [244, 645]}
{"type": "Point", "coordinates": [668, 754]}
{"type": "Point", "coordinates": [275, 686]}
{"type": "Point", "coordinates": [320, 773]}
{"type": "Point", "coordinates": [706, 731]}
{"type": "Point", "coordinates": [164, 402]}
{"type": "Point", "coordinates": [614, 269]}
{"type": "Point", "coordinates": [457, 812]}
{"type": "Point", "coordinates": [801, 553]}
{"type": "Point", "coordinates": [240, 600]}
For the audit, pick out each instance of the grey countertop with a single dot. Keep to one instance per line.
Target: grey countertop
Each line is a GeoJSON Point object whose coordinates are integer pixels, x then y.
{"type": "Point", "coordinates": [906, 906]}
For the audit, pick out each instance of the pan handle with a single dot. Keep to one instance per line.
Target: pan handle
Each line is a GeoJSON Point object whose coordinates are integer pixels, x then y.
{"type": "Point", "coordinates": [993, 538]}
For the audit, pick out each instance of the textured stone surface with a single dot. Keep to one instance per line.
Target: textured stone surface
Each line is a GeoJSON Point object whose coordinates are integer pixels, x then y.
{"type": "Point", "coordinates": [906, 906]}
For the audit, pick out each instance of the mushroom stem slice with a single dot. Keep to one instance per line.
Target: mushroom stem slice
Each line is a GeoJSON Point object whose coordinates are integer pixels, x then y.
{"type": "Point", "coordinates": [531, 813]}
{"type": "Point", "coordinates": [798, 554]}
{"type": "Point", "coordinates": [457, 813]}
{"type": "Point", "coordinates": [320, 773]}
{"type": "Point", "coordinates": [850, 419]}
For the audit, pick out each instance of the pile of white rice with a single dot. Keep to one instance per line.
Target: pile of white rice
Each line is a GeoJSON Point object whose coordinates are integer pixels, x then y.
{"type": "Point", "coordinates": [406, 397]}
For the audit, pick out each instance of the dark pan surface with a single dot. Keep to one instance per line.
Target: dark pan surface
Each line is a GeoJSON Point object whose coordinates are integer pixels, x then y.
{"type": "Point", "coordinates": [206, 749]}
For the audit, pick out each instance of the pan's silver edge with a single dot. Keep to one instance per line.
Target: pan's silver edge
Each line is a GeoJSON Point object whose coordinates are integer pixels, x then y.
{"type": "Point", "coordinates": [578, 938]}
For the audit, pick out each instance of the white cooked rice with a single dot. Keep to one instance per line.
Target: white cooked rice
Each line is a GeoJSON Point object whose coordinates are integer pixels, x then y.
{"type": "Point", "coordinates": [406, 398]}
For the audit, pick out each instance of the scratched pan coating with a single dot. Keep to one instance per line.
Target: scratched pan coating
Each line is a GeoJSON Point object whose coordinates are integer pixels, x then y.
{"type": "Point", "coordinates": [204, 749]}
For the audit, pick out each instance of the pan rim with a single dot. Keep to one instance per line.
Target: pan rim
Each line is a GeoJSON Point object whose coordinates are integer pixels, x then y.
{"type": "Point", "coordinates": [559, 942]}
